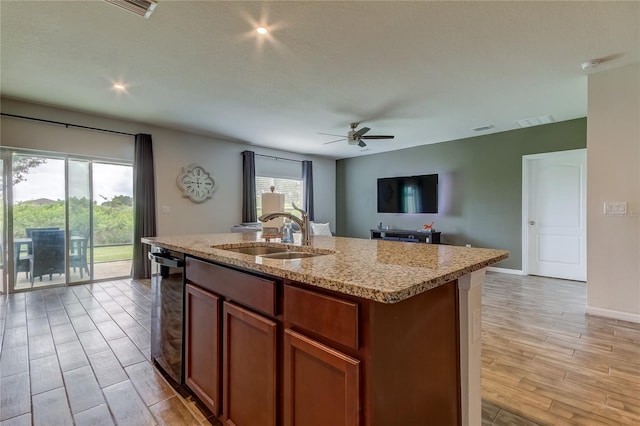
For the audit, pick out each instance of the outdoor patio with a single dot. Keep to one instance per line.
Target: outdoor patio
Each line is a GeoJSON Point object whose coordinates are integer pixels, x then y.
{"type": "Point", "coordinates": [103, 270]}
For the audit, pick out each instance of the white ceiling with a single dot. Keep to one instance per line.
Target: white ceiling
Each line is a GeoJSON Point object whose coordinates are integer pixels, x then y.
{"type": "Point", "coordinates": [425, 72]}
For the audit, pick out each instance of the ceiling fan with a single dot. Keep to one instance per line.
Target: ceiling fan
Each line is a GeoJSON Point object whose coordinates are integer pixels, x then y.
{"type": "Point", "coordinates": [355, 137]}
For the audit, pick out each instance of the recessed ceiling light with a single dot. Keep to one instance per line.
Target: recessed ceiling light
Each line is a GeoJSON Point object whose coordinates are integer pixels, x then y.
{"type": "Point", "coordinates": [262, 30]}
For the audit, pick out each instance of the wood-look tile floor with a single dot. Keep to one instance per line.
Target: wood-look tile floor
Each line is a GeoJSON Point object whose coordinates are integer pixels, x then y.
{"type": "Point", "coordinates": [544, 359]}
{"type": "Point", "coordinates": [80, 355]}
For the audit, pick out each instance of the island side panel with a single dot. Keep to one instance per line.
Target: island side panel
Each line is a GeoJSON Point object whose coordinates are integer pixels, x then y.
{"type": "Point", "coordinates": [413, 368]}
{"type": "Point", "coordinates": [470, 306]}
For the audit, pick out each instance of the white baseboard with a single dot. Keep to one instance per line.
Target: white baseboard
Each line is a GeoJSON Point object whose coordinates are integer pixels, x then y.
{"type": "Point", "coordinates": [505, 270]}
{"type": "Point", "coordinates": [610, 313]}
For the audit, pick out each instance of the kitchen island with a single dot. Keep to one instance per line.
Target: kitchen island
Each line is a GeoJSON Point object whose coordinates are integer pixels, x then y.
{"type": "Point", "coordinates": [364, 332]}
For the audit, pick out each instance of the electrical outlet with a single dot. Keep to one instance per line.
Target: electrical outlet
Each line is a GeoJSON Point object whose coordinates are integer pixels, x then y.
{"type": "Point", "coordinates": [165, 209]}
{"type": "Point", "coordinates": [615, 208]}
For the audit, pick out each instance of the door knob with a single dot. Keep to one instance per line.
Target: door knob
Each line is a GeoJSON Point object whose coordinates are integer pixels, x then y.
{"type": "Point", "coordinates": [532, 222]}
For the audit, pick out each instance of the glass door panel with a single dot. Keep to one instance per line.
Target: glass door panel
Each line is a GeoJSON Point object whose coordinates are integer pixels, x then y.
{"type": "Point", "coordinates": [79, 207]}
{"type": "Point", "coordinates": [3, 238]}
{"type": "Point", "coordinates": [39, 248]}
{"type": "Point", "coordinates": [112, 220]}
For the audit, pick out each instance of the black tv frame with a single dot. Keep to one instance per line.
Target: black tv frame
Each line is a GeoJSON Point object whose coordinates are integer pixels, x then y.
{"type": "Point", "coordinates": [391, 200]}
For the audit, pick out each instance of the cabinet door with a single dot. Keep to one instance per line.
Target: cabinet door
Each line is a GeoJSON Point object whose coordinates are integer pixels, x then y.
{"type": "Point", "coordinates": [202, 346]}
{"type": "Point", "coordinates": [321, 385]}
{"type": "Point", "coordinates": [249, 368]}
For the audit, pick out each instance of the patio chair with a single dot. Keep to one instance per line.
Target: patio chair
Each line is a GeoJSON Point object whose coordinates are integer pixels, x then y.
{"type": "Point", "coordinates": [48, 253]}
{"type": "Point", "coordinates": [23, 263]}
{"type": "Point", "coordinates": [78, 255]}
{"type": "Point", "coordinates": [29, 233]}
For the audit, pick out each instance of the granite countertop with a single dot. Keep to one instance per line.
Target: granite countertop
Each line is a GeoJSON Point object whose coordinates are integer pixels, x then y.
{"type": "Point", "coordinates": [383, 271]}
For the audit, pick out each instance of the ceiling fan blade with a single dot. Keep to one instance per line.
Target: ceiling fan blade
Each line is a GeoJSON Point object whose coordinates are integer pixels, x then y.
{"type": "Point", "coordinates": [329, 134]}
{"type": "Point", "coordinates": [337, 140]}
{"type": "Point", "coordinates": [361, 143]}
{"type": "Point", "coordinates": [361, 132]}
{"type": "Point", "coordinates": [378, 137]}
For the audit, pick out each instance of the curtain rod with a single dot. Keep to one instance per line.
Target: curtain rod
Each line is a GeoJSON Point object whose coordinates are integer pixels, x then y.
{"type": "Point", "coordinates": [65, 124]}
{"type": "Point", "coordinates": [278, 158]}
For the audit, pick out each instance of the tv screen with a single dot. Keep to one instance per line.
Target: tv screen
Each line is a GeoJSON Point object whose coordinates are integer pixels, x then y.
{"type": "Point", "coordinates": [408, 194]}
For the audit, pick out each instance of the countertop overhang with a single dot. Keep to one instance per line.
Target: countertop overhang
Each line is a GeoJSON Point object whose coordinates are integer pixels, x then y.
{"type": "Point", "coordinates": [383, 271]}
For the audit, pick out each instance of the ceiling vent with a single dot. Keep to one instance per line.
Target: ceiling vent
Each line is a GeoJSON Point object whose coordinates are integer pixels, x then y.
{"type": "Point", "coordinates": [483, 128]}
{"type": "Point", "coordinates": [139, 7]}
{"type": "Point", "coordinates": [535, 121]}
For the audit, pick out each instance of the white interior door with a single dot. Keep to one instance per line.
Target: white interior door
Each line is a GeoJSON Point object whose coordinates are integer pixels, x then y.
{"type": "Point", "coordinates": [556, 220]}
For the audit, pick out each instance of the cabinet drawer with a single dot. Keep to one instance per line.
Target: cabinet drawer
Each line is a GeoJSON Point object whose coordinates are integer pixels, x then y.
{"type": "Point", "coordinates": [333, 318]}
{"type": "Point", "coordinates": [246, 289]}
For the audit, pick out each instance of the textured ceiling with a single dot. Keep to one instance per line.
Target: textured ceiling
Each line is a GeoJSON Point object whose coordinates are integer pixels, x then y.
{"type": "Point", "coordinates": [425, 72]}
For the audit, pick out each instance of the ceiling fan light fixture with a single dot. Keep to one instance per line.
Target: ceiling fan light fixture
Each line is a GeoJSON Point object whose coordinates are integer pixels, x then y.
{"type": "Point", "coordinates": [355, 137]}
{"type": "Point", "coordinates": [590, 65]}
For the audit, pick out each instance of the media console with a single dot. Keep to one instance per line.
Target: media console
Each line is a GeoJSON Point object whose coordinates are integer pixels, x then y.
{"type": "Point", "coordinates": [406, 235]}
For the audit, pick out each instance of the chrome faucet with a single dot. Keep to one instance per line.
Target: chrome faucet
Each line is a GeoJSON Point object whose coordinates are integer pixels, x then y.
{"type": "Point", "coordinates": [303, 224]}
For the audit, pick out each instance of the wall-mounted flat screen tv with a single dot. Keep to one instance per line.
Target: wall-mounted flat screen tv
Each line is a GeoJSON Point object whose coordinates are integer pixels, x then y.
{"type": "Point", "coordinates": [408, 194]}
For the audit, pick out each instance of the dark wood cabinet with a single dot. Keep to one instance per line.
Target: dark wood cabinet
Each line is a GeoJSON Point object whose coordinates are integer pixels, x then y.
{"type": "Point", "coordinates": [404, 355]}
{"type": "Point", "coordinates": [321, 384]}
{"type": "Point", "coordinates": [267, 351]}
{"type": "Point", "coordinates": [202, 346]}
{"type": "Point", "coordinates": [231, 350]}
{"type": "Point", "coordinates": [249, 368]}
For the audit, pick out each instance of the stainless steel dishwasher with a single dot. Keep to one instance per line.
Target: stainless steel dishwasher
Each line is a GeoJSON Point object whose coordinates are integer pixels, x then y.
{"type": "Point", "coordinates": [167, 306]}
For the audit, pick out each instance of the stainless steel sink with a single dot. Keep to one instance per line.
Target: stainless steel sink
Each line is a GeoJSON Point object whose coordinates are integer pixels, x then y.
{"type": "Point", "coordinates": [277, 252]}
{"type": "Point", "coordinates": [258, 250]}
{"type": "Point", "coordinates": [291, 255]}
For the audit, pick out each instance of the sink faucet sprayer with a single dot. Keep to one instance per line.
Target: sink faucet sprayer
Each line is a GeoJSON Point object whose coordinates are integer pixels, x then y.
{"type": "Point", "coordinates": [303, 224]}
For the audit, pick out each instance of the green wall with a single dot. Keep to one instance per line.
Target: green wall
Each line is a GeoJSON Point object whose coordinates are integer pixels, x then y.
{"type": "Point", "coordinates": [480, 186]}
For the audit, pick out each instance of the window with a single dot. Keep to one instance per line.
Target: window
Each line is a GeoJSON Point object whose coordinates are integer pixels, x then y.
{"type": "Point", "coordinates": [285, 176]}
{"type": "Point", "coordinates": [291, 188]}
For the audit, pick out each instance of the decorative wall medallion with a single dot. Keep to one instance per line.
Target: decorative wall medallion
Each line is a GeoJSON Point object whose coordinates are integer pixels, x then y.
{"type": "Point", "coordinates": [195, 183]}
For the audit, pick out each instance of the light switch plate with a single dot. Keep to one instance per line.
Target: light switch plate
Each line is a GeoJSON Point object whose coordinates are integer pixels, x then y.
{"type": "Point", "coordinates": [615, 208]}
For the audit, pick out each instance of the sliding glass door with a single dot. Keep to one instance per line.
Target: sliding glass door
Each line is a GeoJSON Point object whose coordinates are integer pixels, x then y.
{"type": "Point", "coordinates": [66, 220]}
{"type": "Point", "coordinates": [38, 188]}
